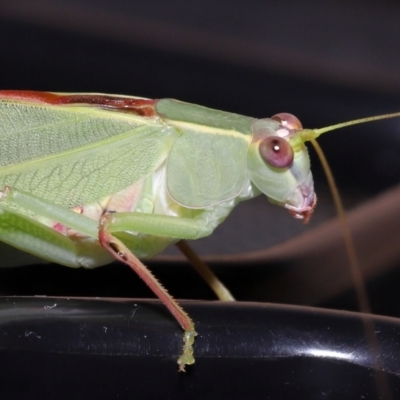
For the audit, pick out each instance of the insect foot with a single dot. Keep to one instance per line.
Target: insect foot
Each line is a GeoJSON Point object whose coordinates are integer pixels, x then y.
{"type": "Point", "coordinates": [187, 355]}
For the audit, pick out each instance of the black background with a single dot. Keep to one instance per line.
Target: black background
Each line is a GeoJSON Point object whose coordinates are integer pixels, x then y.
{"type": "Point", "coordinates": [324, 62]}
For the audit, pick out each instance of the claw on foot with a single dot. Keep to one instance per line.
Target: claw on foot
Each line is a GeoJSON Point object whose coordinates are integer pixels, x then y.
{"type": "Point", "coordinates": [187, 354]}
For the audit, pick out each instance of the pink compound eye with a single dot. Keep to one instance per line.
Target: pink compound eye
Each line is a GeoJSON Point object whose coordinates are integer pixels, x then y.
{"type": "Point", "coordinates": [288, 120]}
{"type": "Point", "coordinates": [276, 151]}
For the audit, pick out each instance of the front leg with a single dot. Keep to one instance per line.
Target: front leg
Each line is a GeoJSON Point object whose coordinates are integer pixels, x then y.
{"type": "Point", "coordinates": [122, 253]}
{"type": "Point", "coordinates": [164, 226]}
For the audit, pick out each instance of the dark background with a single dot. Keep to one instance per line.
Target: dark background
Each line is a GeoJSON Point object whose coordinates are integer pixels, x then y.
{"type": "Point", "coordinates": [325, 62]}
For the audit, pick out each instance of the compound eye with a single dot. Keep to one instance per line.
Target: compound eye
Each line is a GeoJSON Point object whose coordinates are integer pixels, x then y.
{"type": "Point", "coordinates": [276, 151]}
{"type": "Point", "coordinates": [288, 121]}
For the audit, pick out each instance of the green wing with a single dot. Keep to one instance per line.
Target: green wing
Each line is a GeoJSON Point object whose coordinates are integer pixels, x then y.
{"type": "Point", "coordinates": [207, 163]}
{"type": "Point", "coordinates": [74, 155]}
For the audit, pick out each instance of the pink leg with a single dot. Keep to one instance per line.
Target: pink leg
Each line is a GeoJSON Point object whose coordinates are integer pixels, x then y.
{"type": "Point", "coordinates": [122, 253]}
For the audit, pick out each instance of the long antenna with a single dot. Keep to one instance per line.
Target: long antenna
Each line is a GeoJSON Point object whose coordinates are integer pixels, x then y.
{"type": "Point", "coordinates": [382, 384]}
{"type": "Point", "coordinates": [350, 249]}
{"type": "Point", "coordinates": [318, 132]}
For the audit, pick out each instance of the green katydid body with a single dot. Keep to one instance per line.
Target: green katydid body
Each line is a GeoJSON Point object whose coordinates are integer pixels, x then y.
{"type": "Point", "coordinates": [87, 178]}
{"type": "Point", "coordinates": [154, 157]}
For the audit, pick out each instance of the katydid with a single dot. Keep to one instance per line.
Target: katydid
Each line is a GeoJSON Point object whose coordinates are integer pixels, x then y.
{"type": "Point", "coordinates": [89, 178]}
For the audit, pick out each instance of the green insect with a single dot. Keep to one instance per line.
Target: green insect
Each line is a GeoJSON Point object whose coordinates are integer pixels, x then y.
{"type": "Point", "coordinates": [89, 178]}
